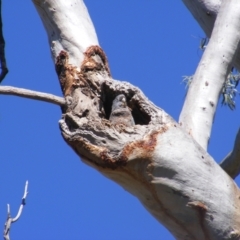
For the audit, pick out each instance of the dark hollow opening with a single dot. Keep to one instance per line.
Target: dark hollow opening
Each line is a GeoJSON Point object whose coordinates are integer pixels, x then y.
{"type": "Point", "coordinates": [140, 117]}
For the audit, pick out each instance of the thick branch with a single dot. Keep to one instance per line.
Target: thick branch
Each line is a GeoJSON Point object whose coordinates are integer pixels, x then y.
{"type": "Point", "coordinates": [174, 178]}
{"type": "Point", "coordinates": [21, 92]}
{"type": "Point", "coordinates": [200, 105]}
{"type": "Point", "coordinates": [205, 13]}
{"type": "Point", "coordinates": [63, 21]}
{"type": "Point", "coordinates": [231, 163]}
{"type": "Point", "coordinates": [155, 159]}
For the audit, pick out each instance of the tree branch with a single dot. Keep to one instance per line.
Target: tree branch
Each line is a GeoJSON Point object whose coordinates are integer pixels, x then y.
{"type": "Point", "coordinates": [22, 204]}
{"type": "Point", "coordinates": [10, 220]}
{"type": "Point", "coordinates": [21, 92]}
{"type": "Point", "coordinates": [64, 15]}
{"type": "Point", "coordinates": [231, 163]}
{"type": "Point", "coordinates": [155, 159]}
{"type": "Point", "coordinates": [205, 12]}
{"type": "Point", "coordinates": [2, 49]}
{"type": "Point", "coordinates": [200, 104]}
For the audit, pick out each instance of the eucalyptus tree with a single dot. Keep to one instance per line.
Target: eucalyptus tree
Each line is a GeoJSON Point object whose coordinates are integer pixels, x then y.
{"type": "Point", "coordinates": [164, 163]}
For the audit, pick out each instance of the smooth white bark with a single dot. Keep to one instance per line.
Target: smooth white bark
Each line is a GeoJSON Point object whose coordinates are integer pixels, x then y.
{"type": "Point", "coordinates": [202, 98]}
{"type": "Point", "coordinates": [205, 12]}
{"type": "Point", "coordinates": [200, 10]}
{"type": "Point", "coordinates": [68, 28]}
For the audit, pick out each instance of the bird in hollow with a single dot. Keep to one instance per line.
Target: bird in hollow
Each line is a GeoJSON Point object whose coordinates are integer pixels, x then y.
{"type": "Point", "coordinates": [120, 113]}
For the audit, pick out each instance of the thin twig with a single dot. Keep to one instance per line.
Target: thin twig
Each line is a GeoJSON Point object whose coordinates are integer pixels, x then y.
{"type": "Point", "coordinates": [2, 49]}
{"type": "Point", "coordinates": [22, 204]}
{"type": "Point", "coordinates": [10, 220]}
{"type": "Point", "coordinates": [21, 92]}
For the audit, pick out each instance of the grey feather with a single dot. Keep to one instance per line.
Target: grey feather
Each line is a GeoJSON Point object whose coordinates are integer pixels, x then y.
{"type": "Point", "coordinates": [120, 113]}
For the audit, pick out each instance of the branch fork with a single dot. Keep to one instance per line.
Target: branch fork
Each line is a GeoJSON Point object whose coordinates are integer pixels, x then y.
{"type": "Point", "coordinates": [11, 220]}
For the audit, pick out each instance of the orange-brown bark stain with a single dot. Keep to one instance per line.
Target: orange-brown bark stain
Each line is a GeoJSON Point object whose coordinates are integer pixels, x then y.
{"type": "Point", "coordinates": [70, 78]}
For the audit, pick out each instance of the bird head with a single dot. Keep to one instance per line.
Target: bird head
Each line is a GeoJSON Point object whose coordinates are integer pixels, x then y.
{"type": "Point", "coordinates": [119, 102]}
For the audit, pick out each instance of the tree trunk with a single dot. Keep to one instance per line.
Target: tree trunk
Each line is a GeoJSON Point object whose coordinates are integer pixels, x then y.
{"type": "Point", "coordinates": [156, 160]}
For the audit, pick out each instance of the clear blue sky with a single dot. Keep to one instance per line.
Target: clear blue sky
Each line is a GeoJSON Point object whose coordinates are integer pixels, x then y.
{"type": "Point", "coordinates": [151, 44]}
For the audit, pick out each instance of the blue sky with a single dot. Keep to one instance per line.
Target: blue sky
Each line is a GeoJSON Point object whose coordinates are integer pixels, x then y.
{"type": "Point", "coordinates": [151, 44]}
